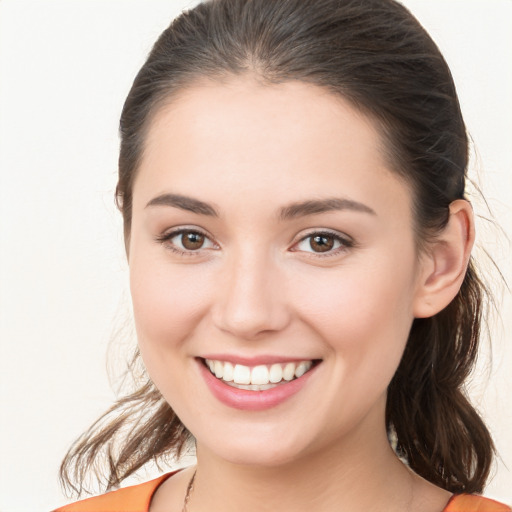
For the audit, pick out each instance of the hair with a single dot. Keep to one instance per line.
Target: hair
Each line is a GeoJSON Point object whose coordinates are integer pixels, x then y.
{"type": "Point", "coordinates": [377, 56]}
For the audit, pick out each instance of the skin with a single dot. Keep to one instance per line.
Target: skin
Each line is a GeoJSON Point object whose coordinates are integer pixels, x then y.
{"type": "Point", "coordinates": [257, 287]}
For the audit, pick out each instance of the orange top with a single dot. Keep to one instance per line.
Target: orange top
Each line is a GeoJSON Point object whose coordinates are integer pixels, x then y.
{"type": "Point", "coordinates": [137, 498]}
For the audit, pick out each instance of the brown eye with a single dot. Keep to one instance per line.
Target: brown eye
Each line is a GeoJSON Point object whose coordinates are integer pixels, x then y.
{"type": "Point", "coordinates": [192, 240]}
{"type": "Point", "coordinates": [321, 243]}
{"type": "Point", "coordinates": [186, 241]}
{"type": "Point", "coordinates": [324, 243]}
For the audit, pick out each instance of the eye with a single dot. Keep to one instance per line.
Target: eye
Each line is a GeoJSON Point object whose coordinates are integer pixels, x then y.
{"type": "Point", "coordinates": [324, 242]}
{"type": "Point", "coordinates": [186, 241]}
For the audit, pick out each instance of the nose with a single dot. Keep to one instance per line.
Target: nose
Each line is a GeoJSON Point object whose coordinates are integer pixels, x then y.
{"type": "Point", "coordinates": [251, 297]}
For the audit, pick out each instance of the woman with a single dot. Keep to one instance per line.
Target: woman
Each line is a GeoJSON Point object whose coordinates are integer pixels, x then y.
{"type": "Point", "coordinates": [291, 179]}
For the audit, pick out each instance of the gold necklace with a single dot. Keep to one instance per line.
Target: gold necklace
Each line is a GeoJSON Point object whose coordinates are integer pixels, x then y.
{"type": "Point", "coordinates": [190, 488]}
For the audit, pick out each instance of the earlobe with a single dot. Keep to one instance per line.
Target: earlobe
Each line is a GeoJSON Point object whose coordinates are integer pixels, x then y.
{"type": "Point", "coordinates": [444, 266]}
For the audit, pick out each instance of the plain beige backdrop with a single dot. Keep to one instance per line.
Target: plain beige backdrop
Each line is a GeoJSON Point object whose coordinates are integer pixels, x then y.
{"type": "Point", "coordinates": [65, 68]}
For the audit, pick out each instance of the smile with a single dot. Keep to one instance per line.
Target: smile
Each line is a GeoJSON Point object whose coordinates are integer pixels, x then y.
{"type": "Point", "coordinates": [257, 386]}
{"type": "Point", "coordinates": [257, 378]}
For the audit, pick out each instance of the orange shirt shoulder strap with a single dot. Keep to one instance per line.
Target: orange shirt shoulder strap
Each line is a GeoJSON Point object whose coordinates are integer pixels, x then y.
{"type": "Point", "coordinates": [471, 503]}
{"type": "Point", "coordinates": [135, 498]}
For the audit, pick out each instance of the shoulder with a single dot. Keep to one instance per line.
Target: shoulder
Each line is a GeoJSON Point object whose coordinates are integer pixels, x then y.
{"type": "Point", "coordinates": [472, 503]}
{"type": "Point", "coordinates": [135, 498]}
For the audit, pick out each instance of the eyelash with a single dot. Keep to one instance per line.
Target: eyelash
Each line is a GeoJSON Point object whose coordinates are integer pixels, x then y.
{"type": "Point", "coordinates": [165, 240]}
{"type": "Point", "coordinates": [345, 242]}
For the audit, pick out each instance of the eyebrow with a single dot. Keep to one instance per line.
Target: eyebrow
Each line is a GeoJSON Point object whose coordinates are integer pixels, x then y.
{"type": "Point", "coordinates": [316, 206]}
{"type": "Point", "coordinates": [184, 203]}
{"type": "Point", "coordinates": [291, 211]}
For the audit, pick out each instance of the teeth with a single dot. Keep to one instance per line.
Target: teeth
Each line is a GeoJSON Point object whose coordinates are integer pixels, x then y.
{"type": "Point", "coordinates": [301, 369]}
{"type": "Point", "coordinates": [242, 374]}
{"type": "Point", "coordinates": [289, 371]}
{"type": "Point", "coordinates": [228, 372]}
{"type": "Point", "coordinates": [276, 373]}
{"type": "Point", "coordinates": [259, 377]}
{"type": "Point", "coordinates": [218, 369]}
{"type": "Point", "coordinates": [252, 387]}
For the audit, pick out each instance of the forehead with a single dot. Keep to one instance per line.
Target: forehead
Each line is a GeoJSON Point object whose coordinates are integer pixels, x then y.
{"type": "Point", "coordinates": [244, 112]}
{"type": "Point", "coordinates": [293, 138]}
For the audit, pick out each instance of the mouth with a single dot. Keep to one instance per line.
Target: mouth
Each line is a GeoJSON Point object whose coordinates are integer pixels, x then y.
{"type": "Point", "coordinates": [261, 377]}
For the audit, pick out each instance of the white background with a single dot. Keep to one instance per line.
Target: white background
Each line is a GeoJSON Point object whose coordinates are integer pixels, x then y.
{"type": "Point", "coordinates": [65, 69]}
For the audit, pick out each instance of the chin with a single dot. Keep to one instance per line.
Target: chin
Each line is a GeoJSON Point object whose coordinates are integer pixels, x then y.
{"type": "Point", "coordinates": [255, 447]}
{"type": "Point", "coordinates": [259, 457]}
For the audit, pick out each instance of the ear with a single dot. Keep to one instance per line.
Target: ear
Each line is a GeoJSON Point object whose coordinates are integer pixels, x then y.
{"type": "Point", "coordinates": [444, 263]}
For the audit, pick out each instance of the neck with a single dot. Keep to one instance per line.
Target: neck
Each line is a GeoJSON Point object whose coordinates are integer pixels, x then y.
{"type": "Point", "coordinates": [353, 476]}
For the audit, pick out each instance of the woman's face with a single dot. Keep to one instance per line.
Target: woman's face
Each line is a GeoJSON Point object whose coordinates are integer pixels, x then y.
{"type": "Point", "coordinates": [268, 230]}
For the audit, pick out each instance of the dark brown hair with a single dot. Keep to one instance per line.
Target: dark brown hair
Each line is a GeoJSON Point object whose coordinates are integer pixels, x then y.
{"type": "Point", "coordinates": [377, 56]}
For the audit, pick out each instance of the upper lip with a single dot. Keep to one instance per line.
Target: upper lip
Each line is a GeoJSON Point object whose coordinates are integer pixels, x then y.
{"type": "Point", "coordinates": [256, 360]}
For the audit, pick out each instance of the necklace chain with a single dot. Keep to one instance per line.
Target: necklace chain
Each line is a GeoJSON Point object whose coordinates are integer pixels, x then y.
{"type": "Point", "coordinates": [190, 488]}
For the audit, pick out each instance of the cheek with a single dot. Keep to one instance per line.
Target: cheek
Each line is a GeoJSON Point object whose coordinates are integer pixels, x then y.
{"type": "Point", "coordinates": [363, 313]}
{"type": "Point", "coordinates": [167, 300]}
{"type": "Point", "coordinates": [356, 300]}
{"type": "Point", "coordinates": [363, 318]}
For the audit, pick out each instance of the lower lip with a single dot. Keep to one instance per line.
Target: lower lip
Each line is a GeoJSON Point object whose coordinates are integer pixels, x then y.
{"type": "Point", "coordinates": [253, 400]}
